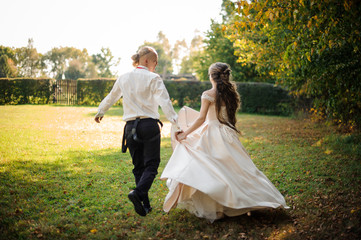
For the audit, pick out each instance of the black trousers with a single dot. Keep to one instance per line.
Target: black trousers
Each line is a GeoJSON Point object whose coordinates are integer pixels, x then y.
{"type": "Point", "coordinates": [145, 155]}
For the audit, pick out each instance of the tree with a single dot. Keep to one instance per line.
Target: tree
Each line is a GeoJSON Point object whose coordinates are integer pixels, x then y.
{"type": "Point", "coordinates": [164, 66]}
{"type": "Point", "coordinates": [189, 61]}
{"type": "Point", "coordinates": [312, 47]}
{"type": "Point", "coordinates": [58, 60]}
{"type": "Point", "coordinates": [219, 48]}
{"type": "Point", "coordinates": [75, 70]}
{"type": "Point", "coordinates": [7, 65]}
{"type": "Point", "coordinates": [179, 50]}
{"type": "Point", "coordinates": [28, 60]}
{"type": "Point", "coordinates": [163, 48]}
{"type": "Point", "coordinates": [104, 61]}
{"type": "Point", "coordinates": [91, 70]}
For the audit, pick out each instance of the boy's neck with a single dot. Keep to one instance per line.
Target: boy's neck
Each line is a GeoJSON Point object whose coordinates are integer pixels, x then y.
{"type": "Point", "coordinates": [142, 67]}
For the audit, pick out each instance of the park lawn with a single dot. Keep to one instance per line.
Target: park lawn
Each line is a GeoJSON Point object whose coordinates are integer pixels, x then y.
{"type": "Point", "coordinates": [62, 176]}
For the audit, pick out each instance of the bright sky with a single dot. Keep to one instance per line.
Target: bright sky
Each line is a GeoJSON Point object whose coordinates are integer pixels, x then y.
{"type": "Point", "coordinates": [121, 25]}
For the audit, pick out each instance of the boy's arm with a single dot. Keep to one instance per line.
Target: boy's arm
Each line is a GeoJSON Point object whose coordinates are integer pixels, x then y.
{"type": "Point", "coordinates": [108, 101]}
{"type": "Point", "coordinates": [162, 97]}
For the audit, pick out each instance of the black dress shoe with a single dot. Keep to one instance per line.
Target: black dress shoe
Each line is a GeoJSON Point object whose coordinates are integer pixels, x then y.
{"type": "Point", "coordinates": [148, 209]}
{"type": "Point", "coordinates": [138, 206]}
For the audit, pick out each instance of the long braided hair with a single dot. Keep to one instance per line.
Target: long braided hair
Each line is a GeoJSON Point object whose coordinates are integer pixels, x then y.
{"type": "Point", "coordinates": [226, 94]}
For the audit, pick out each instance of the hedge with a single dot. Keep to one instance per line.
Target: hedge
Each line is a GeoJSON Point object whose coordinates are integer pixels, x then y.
{"type": "Point", "coordinates": [26, 90]}
{"type": "Point", "coordinates": [264, 98]}
{"type": "Point", "coordinates": [92, 91]}
{"type": "Point", "coordinates": [261, 98]}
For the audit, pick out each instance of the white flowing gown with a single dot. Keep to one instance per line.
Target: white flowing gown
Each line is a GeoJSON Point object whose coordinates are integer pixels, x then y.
{"type": "Point", "coordinates": [210, 173]}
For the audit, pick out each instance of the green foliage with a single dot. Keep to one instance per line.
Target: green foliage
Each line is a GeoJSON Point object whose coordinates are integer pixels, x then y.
{"type": "Point", "coordinates": [29, 61]}
{"type": "Point", "coordinates": [7, 68]}
{"type": "Point", "coordinates": [263, 98]}
{"type": "Point", "coordinates": [312, 47]}
{"type": "Point", "coordinates": [164, 66]}
{"type": "Point", "coordinates": [104, 61]}
{"type": "Point", "coordinates": [75, 70]}
{"type": "Point", "coordinates": [336, 86]}
{"type": "Point", "coordinates": [7, 65]}
{"type": "Point", "coordinates": [93, 91]}
{"type": "Point", "coordinates": [25, 90]}
{"type": "Point", "coordinates": [57, 60]}
{"type": "Point", "coordinates": [186, 92]}
{"type": "Point", "coordinates": [218, 48]}
{"type": "Point", "coordinates": [74, 63]}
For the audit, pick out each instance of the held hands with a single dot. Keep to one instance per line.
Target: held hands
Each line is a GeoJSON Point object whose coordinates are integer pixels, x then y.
{"type": "Point", "coordinates": [98, 119]}
{"type": "Point", "coordinates": [180, 136]}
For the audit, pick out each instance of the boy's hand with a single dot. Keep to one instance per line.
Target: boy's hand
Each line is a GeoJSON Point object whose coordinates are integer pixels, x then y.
{"type": "Point", "coordinates": [180, 136]}
{"type": "Point", "coordinates": [98, 119]}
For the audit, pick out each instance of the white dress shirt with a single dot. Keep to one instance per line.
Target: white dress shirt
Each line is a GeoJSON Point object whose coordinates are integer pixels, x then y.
{"type": "Point", "coordinates": [142, 91]}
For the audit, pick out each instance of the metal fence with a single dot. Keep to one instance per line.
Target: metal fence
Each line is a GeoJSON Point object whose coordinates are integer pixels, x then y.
{"type": "Point", "coordinates": [65, 92]}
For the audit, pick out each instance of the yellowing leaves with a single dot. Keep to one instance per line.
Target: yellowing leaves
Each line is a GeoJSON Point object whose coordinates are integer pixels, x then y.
{"type": "Point", "coordinates": [328, 151]}
{"type": "Point", "coordinates": [347, 5]}
{"type": "Point", "coordinates": [224, 28]}
{"type": "Point", "coordinates": [330, 44]}
{"type": "Point", "coordinates": [318, 143]}
{"type": "Point", "coordinates": [309, 24]}
{"type": "Point", "coordinates": [270, 15]}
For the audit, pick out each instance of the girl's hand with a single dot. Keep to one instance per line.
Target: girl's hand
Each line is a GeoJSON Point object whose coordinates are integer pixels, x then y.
{"type": "Point", "coordinates": [181, 136]}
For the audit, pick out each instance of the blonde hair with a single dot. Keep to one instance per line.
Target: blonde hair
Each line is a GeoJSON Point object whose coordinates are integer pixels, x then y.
{"type": "Point", "coordinates": [143, 52]}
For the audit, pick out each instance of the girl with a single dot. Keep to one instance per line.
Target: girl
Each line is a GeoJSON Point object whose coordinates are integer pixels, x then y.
{"type": "Point", "coordinates": [210, 173]}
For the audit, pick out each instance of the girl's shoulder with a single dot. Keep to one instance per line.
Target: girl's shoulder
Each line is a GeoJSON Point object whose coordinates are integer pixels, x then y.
{"type": "Point", "coordinates": [210, 95]}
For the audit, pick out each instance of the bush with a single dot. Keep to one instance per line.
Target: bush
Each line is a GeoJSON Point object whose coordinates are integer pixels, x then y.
{"type": "Point", "coordinates": [186, 92]}
{"type": "Point", "coordinates": [25, 90]}
{"type": "Point", "coordinates": [261, 98]}
{"type": "Point", "coordinates": [93, 91]}
{"type": "Point", "coordinates": [264, 98]}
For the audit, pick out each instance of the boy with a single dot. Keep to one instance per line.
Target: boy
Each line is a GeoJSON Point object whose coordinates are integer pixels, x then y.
{"type": "Point", "coordinates": [142, 91]}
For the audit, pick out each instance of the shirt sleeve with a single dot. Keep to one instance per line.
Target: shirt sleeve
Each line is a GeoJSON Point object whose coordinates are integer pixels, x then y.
{"type": "Point", "coordinates": [162, 97]}
{"type": "Point", "coordinates": [114, 95]}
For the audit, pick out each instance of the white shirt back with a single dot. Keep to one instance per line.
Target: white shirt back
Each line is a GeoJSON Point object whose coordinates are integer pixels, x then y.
{"type": "Point", "coordinates": [143, 92]}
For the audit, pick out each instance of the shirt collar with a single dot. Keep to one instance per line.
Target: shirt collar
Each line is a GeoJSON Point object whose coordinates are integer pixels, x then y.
{"type": "Point", "coordinates": [142, 67]}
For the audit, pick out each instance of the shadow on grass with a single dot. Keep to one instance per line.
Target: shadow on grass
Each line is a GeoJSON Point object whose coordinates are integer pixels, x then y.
{"type": "Point", "coordinates": [64, 198]}
{"type": "Point", "coordinates": [83, 194]}
{"type": "Point", "coordinates": [180, 224]}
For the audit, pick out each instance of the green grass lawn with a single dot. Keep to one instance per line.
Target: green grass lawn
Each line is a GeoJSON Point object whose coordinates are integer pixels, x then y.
{"type": "Point", "coordinates": [62, 176]}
